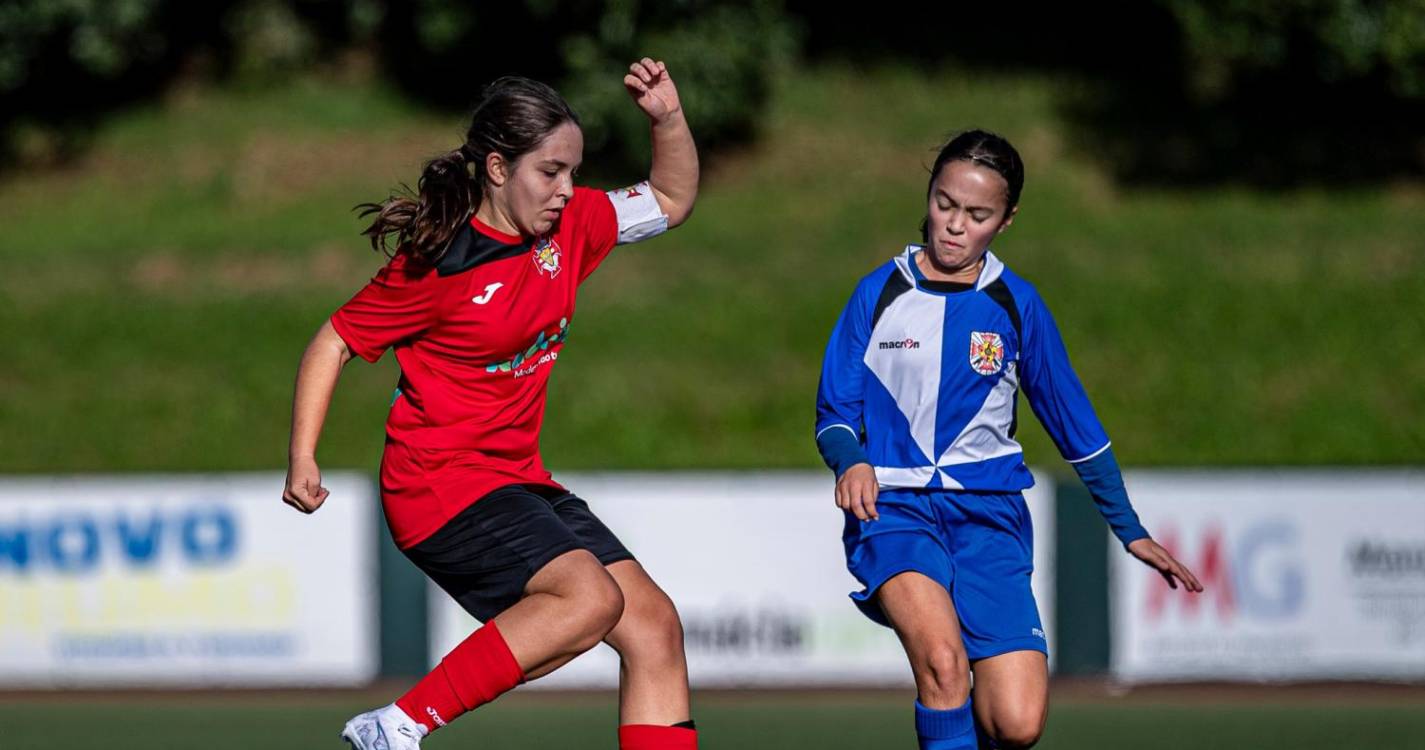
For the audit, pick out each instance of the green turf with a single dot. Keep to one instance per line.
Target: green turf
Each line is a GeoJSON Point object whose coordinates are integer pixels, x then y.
{"type": "Point", "coordinates": [157, 296]}
{"type": "Point", "coordinates": [835, 722]}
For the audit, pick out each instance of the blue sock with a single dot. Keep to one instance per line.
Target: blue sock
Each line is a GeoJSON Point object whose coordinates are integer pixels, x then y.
{"type": "Point", "coordinates": [986, 741]}
{"type": "Point", "coordinates": [950, 729]}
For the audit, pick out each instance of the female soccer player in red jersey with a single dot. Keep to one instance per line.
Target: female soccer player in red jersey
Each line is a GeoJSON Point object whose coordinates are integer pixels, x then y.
{"type": "Point", "coordinates": [476, 301]}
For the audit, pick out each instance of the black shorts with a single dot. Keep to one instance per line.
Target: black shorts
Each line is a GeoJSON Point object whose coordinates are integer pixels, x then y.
{"type": "Point", "coordinates": [485, 556]}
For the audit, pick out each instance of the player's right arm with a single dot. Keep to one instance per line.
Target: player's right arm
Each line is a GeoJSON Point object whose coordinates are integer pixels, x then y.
{"type": "Point", "coordinates": [399, 303]}
{"type": "Point", "coordinates": [839, 401]}
{"type": "Point", "coordinates": [321, 365]}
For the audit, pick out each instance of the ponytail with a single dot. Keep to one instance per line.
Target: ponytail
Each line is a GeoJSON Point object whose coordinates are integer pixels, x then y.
{"type": "Point", "coordinates": [423, 224]}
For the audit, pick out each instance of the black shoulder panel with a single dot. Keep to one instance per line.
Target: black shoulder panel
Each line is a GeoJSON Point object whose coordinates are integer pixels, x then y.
{"type": "Point", "coordinates": [470, 248]}
{"type": "Point", "coordinates": [896, 285]}
{"type": "Point", "coordinates": [999, 292]}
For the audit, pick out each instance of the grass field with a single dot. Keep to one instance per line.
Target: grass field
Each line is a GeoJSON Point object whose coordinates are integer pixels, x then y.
{"type": "Point", "coordinates": [1173, 719]}
{"type": "Point", "coordinates": [157, 294]}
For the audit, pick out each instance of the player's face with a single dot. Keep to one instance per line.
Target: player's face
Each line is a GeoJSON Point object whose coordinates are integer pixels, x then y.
{"type": "Point", "coordinates": [967, 210]}
{"type": "Point", "coordinates": [542, 181]}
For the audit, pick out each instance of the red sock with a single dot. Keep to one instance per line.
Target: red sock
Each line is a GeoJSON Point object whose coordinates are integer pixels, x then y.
{"type": "Point", "coordinates": [654, 737]}
{"type": "Point", "coordinates": [474, 673]}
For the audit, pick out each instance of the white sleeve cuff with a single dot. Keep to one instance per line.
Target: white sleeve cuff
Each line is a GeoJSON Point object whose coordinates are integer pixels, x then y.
{"type": "Point", "coordinates": [638, 212]}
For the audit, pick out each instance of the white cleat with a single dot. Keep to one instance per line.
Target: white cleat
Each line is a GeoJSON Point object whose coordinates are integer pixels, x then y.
{"type": "Point", "coordinates": [385, 728]}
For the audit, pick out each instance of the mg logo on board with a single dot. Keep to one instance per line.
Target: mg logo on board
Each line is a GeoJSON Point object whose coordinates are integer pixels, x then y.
{"type": "Point", "coordinates": [1255, 573]}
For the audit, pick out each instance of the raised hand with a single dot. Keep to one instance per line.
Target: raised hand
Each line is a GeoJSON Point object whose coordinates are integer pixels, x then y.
{"type": "Point", "coordinates": [652, 89]}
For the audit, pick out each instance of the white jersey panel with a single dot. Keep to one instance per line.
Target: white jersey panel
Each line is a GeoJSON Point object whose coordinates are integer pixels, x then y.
{"type": "Point", "coordinates": [916, 476]}
{"type": "Point", "coordinates": [987, 434]}
{"type": "Point", "coordinates": [948, 482]}
{"type": "Point", "coordinates": [904, 354]}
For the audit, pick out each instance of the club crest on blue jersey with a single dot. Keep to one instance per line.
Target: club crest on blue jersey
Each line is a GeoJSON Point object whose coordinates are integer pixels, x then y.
{"type": "Point", "coordinates": [986, 352]}
{"type": "Point", "coordinates": [546, 256]}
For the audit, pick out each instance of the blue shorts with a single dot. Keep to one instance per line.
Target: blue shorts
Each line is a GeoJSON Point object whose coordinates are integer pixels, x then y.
{"type": "Point", "coordinates": [978, 545]}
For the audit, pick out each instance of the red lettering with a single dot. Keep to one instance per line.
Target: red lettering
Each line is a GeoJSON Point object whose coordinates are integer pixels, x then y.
{"type": "Point", "coordinates": [1211, 568]}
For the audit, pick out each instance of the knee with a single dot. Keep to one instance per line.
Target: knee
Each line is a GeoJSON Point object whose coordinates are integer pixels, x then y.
{"type": "Point", "coordinates": [944, 672]}
{"type": "Point", "coordinates": [1016, 729]}
{"type": "Point", "coordinates": [595, 610]}
{"type": "Point", "coordinates": [650, 630]}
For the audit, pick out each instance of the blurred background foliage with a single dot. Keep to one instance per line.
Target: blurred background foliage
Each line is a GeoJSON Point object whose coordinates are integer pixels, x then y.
{"type": "Point", "coordinates": [1224, 208]}
{"type": "Point", "coordinates": [1270, 93]}
{"type": "Point", "coordinates": [63, 64]}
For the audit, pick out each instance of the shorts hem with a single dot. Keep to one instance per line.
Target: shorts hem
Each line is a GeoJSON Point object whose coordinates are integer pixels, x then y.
{"type": "Point", "coordinates": [865, 599]}
{"type": "Point", "coordinates": [1000, 648]}
{"type": "Point", "coordinates": [547, 556]}
{"type": "Point", "coordinates": [615, 557]}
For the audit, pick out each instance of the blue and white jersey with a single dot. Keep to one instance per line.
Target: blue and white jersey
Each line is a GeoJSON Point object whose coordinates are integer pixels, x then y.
{"type": "Point", "coordinates": [927, 376]}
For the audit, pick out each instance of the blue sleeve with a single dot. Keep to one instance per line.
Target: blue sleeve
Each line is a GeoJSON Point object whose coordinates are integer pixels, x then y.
{"type": "Point", "coordinates": [1053, 389]}
{"type": "Point", "coordinates": [840, 449]}
{"type": "Point", "coordinates": [1059, 401]}
{"type": "Point", "coordinates": [1104, 480]}
{"type": "Point", "coordinates": [840, 393]}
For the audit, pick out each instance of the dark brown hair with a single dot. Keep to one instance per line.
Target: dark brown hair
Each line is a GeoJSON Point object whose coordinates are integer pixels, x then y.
{"type": "Point", "coordinates": [513, 117]}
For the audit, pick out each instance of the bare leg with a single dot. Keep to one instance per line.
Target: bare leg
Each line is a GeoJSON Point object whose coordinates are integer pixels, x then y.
{"type": "Point", "coordinates": [923, 616]}
{"type": "Point", "coordinates": [1012, 697]}
{"type": "Point", "coordinates": [569, 606]}
{"type": "Point", "coordinates": [653, 672]}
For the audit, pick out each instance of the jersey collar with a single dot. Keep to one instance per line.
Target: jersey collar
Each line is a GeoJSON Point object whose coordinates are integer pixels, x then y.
{"type": "Point", "coordinates": [475, 244]}
{"type": "Point", "coordinates": [989, 273]}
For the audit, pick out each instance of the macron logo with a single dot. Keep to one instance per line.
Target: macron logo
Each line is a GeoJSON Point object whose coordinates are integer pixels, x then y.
{"type": "Point", "coordinates": [907, 344]}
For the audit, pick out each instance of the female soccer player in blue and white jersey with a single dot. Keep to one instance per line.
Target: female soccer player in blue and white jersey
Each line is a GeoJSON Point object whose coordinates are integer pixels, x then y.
{"type": "Point", "coordinates": [916, 414]}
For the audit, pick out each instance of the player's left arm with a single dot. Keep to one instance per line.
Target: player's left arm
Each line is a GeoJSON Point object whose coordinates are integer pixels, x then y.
{"type": "Point", "coordinates": [673, 179]}
{"type": "Point", "coordinates": [1059, 401]}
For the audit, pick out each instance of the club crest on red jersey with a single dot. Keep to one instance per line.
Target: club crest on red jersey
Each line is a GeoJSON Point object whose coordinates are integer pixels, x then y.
{"type": "Point", "coordinates": [986, 352]}
{"type": "Point", "coordinates": [546, 256]}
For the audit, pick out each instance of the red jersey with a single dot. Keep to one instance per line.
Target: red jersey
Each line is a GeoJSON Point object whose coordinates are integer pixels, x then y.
{"type": "Point", "coordinates": [476, 337]}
